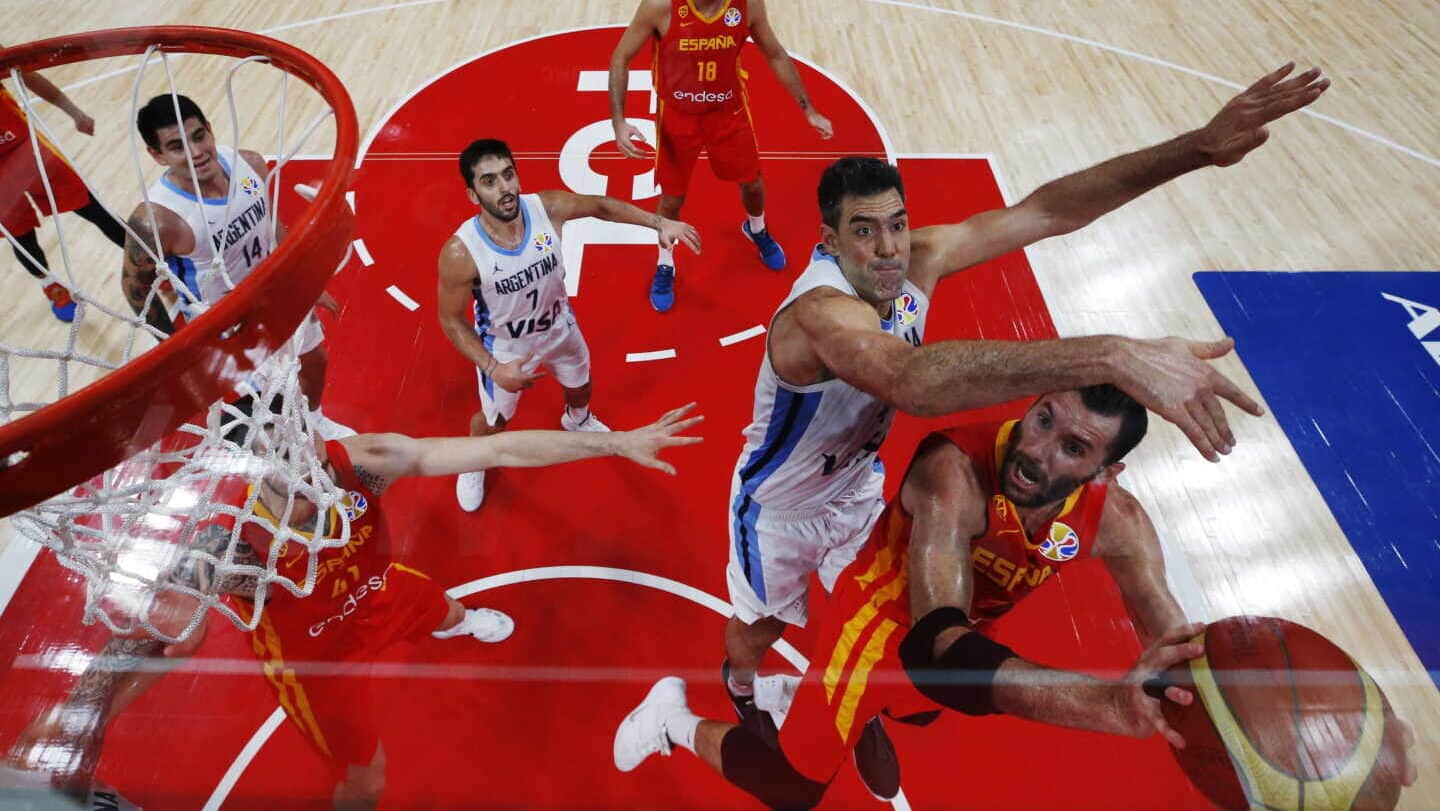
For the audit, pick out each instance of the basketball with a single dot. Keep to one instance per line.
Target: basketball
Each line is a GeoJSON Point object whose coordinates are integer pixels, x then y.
{"type": "Point", "coordinates": [1284, 719]}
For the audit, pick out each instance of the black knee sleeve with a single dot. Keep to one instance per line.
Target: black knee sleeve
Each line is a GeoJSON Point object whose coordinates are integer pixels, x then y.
{"type": "Point", "coordinates": [104, 220]}
{"type": "Point", "coordinates": [764, 772]}
{"type": "Point", "coordinates": [31, 243]}
{"type": "Point", "coordinates": [963, 676]}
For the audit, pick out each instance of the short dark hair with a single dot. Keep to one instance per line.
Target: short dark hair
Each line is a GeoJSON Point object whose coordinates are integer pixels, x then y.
{"type": "Point", "coordinates": [483, 148]}
{"type": "Point", "coordinates": [859, 177]}
{"type": "Point", "coordinates": [1110, 401]}
{"type": "Point", "coordinates": [159, 112]}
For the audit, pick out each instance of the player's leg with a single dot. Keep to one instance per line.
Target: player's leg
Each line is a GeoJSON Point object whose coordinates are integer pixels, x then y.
{"type": "Point", "coordinates": [17, 176]}
{"type": "Point", "coordinates": [569, 361]}
{"type": "Point", "coordinates": [314, 362]}
{"type": "Point", "coordinates": [497, 406]}
{"type": "Point", "coordinates": [850, 527]}
{"type": "Point", "coordinates": [677, 148]}
{"type": "Point", "coordinates": [484, 624]}
{"type": "Point", "coordinates": [664, 721]}
{"type": "Point", "coordinates": [97, 215]}
{"type": "Point", "coordinates": [362, 785]}
{"type": "Point", "coordinates": [735, 156]}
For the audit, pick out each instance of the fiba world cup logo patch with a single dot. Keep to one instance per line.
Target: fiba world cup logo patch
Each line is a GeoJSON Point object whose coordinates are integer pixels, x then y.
{"type": "Point", "coordinates": [544, 242]}
{"type": "Point", "coordinates": [354, 504]}
{"type": "Point", "coordinates": [732, 17]}
{"type": "Point", "coordinates": [1062, 545]}
{"type": "Point", "coordinates": [907, 309]}
{"type": "Point", "coordinates": [250, 186]}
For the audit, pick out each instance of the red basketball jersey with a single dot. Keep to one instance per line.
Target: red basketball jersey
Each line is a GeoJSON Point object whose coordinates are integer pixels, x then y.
{"type": "Point", "coordinates": [1007, 564]}
{"type": "Point", "coordinates": [351, 592]}
{"type": "Point", "coordinates": [697, 63]}
{"type": "Point", "coordinates": [14, 130]}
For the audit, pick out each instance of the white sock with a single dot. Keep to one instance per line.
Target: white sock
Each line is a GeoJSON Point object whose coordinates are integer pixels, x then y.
{"type": "Point", "coordinates": [579, 416]}
{"type": "Point", "coordinates": [738, 688]}
{"type": "Point", "coordinates": [667, 257]}
{"type": "Point", "coordinates": [757, 224]}
{"type": "Point", "coordinates": [680, 728]}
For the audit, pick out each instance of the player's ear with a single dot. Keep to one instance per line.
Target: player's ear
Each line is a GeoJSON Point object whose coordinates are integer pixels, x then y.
{"type": "Point", "coordinates": [1109, 472]}
{"type": "Point", "coordinates": [830, 238]}
{"type": "Point", "coordinates": [469, 192]}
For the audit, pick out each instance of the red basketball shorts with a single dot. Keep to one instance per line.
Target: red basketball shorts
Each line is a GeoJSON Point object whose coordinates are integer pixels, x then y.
{"type": "Point", "coordinates": [727, 135]}
{"type": "Point", "coordinates": [20, 176]}
{"type": "Point", "coordinates": [321, 670]}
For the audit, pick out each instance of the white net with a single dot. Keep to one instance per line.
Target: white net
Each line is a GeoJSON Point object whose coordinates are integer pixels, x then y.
{"type": "Point", "coordinates": [237, 501]}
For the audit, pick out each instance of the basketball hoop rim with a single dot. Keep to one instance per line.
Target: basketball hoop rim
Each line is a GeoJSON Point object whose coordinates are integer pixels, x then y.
{"type": "Point", "coordinates": [132, 407]}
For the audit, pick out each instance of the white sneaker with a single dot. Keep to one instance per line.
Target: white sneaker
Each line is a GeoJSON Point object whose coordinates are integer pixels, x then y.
{"type": "Point", "coordinates": [470, 490]}
{"type": "Point", "coordinates": [591, 423]}
{"type": "Point", "coordinates": [642, 733]}
{"type": "Point", "coordinates": [329, 429]}
{"type": "Point", "coordinates": [485, 624]}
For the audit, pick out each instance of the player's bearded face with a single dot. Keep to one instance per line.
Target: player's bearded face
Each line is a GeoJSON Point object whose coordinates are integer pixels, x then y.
{"type": "Point", "coordinates": [1058, 446]}
{"type": "Point", "coordinates": [497, 187]}
{"type": "Point", "coordinates": [872, 245]}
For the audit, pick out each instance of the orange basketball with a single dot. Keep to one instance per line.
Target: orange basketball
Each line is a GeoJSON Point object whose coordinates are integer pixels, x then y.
{"type": "Point", "coordinates": [1284, 720]}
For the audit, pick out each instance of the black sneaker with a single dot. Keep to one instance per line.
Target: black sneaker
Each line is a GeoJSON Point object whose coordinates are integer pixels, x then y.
{"type": "Point", "coordinates": [876, 762]}
{"type": "Point", "coordinates": [750, 716]}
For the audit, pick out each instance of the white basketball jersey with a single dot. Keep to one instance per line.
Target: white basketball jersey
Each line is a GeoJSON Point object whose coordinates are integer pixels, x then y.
{"type": "Point", "coordinates": [237, 226]}
{"type": "Point", "coordinates": [520, 299]}
{"type": "Point", "coordinates": [808, 445]}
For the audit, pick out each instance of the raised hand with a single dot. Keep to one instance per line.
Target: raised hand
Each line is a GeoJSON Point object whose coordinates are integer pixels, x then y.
{"type": "Point", "coordinates": [820, 123]}
{"type": "Point", "coordinates": [643, 445]}
{"type": "Point", "coordinates": [1239, 127]}
{"type": "Point", "coordinates": [627, 136]}
{"type": "Point", "coordinates": [672, 231]}
{"type": "Point", "coordinates": [1170, 376]}
{"type": "Point", "coordinates": [513, 376]}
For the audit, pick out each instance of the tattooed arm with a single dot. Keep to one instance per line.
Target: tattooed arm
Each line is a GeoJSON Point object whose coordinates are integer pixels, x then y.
{"type": "Point", "coordinates": [139, 272]}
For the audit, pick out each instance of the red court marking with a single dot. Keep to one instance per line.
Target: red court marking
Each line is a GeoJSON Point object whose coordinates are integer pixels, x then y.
{"type": "Point", "coordinates": [470, 743]}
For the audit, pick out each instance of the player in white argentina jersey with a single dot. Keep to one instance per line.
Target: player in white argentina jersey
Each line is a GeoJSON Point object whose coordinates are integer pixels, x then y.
{"type": "Point", "coordinates": [502, 298]}
{"type": "Point", "coordinates": [211, 237]}
{"type": "Point", "coordinates": [839, 359]}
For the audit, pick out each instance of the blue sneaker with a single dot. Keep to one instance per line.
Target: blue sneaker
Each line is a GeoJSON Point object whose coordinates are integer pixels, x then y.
{"type": "Point", "coordinates": [60, 302]}
{"type": "Point", "coordinates": [770, 252]}
{"type": "Point", "coordinates": [662, 288]}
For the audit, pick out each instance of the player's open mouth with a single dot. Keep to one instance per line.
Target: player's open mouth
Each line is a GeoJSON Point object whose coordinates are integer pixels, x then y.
{"type": "Point", "coordinates": [1023, 476]}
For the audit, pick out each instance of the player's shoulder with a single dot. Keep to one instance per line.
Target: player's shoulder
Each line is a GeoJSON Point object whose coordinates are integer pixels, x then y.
{"type": "Point", "coordinates": [455, 255]}
{"type": "Point", "coordinates": [255, 159]}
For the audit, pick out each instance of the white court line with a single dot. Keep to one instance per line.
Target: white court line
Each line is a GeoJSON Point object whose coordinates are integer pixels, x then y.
{"type": "Point", "coordinates": [665, 584]}
{"type": "Point", "coordinates": [405, 301]}
{"type": "Point", "coordinates": [350, 200]}
{"type": "Point", "coordinates": [743, 335]}
{"type": "Point", "coordinates": [277, 29]}
{"type": "Point", "coordinates": [1033, 29]}
{"type": "Point", "coordinates": [15, 562]}
{"type": "Point", "coordinates": [242, 760]}
{"type": "Point", "coordinates": [364, 254]}
{"type": "Point", "coordinates": [642, 357]}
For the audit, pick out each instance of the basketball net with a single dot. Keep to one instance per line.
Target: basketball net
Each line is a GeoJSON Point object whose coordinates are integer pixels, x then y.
{"type": "Point", "coordinates": [164, 536]}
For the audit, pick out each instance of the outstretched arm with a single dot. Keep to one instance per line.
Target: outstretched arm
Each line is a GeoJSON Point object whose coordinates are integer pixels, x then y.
{"type": "Point", "coordinates": [561, 206]}
{"type": "Point", "coordinates": [1128, 544]}
{"type": "Point", "coordinates": [1169, 376]}
{"type": "Point", "coordinates": [647, 21]}
{"type": "Point", "coordinates": [385, 457]}
{"type": "Point", "coordinates": [1076, 200]}
{"type": "Point", "coordinates": [784, 67]}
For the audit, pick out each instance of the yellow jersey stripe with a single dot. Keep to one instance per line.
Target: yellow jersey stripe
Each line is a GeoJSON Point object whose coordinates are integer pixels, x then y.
{"type": "Point", "coordinates": [874, 649]}
{"type": "Point", "coordinates": [850, 634]}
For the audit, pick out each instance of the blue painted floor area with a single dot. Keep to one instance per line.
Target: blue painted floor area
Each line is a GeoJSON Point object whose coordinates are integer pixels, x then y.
{"type": "Point", "coordinates": [1350, 365]}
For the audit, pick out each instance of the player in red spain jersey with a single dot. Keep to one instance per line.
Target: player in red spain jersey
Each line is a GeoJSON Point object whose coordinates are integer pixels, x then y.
{"type": "Point", "coordinates": [22, 190]}
{"type": "Point", "coordinates": [363, 602]}
{"type": "Point", "coordinates": [701, 105]}
{"type": "Point", "coordinates": [986, 514]}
